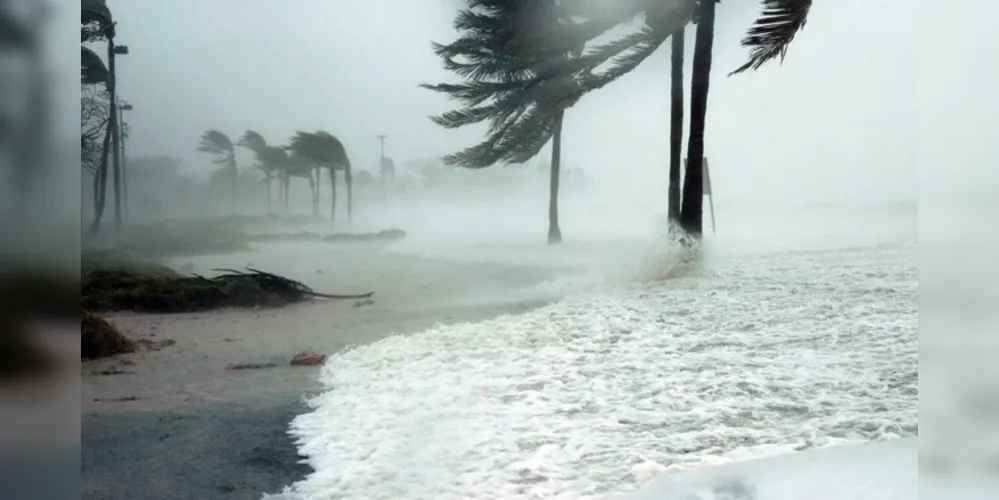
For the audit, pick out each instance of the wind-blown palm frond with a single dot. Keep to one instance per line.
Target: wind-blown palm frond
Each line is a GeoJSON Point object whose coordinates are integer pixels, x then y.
{"type": "Point", "coordinates": [628, 53]}
{"type": "Point", "coordinates": [253, 141]}
{"type": "Point", "coordinates": [273, 156]}
{"type": "Point", "coordinates": [516, 60]}
{"type": "Point", "coordinates": [215, 142]}
{"type": "Point", "coordinates": [321, 148]}
{"type": "Point", "coordinates": [95, 11]}
{"type": "Point", "coordinates": [773, 31]}
{"type": "Point", "coordinates": [92, 68]}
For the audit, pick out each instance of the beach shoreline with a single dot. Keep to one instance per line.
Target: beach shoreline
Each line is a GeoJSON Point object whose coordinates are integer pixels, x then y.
{"type": "Point", "coordinates": [175, 421]}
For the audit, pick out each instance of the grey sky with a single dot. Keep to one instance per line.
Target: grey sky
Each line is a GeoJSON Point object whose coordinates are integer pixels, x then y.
{"type": "Point", "coordinates": [836, 121]}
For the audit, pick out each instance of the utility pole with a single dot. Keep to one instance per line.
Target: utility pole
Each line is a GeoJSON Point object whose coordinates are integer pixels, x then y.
{"type": "Point", "coordinates": [122, 107]}
{"type": "Point", "coordinates": [381, 161]}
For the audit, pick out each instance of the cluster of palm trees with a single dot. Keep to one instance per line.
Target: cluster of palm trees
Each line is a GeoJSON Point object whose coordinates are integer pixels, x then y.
{"type": "Point", "coordinates": [306, 155]}
{"type": "Point", "coordinates": [524, 63]}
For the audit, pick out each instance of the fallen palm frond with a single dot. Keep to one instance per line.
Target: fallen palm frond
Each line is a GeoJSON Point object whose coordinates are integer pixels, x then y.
{"type": "Point", "coordinates": [280, 284]}
{"type": "Point", "coordinates": [151, 288]}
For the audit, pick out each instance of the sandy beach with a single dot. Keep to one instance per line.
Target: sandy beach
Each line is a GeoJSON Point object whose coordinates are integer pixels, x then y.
{"type": "Point", "coordinates": [172, 422]}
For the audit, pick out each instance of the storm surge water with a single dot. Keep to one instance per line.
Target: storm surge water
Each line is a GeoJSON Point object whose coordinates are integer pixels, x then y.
{"type": "Point", "coordinates": [797, 330]}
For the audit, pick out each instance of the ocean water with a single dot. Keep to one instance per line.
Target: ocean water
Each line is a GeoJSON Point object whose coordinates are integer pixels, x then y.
{"type": "Point", "coordinates": [796, 330]}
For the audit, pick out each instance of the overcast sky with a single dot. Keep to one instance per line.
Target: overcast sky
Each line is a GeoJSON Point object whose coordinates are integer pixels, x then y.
{"type": "Point", "coordinates": [836, 121]}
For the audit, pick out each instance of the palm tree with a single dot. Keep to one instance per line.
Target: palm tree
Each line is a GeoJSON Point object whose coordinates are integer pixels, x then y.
{"type": "Point", "coordinates": [767, 39]}
{"type": "Point", "coordinates": [326, 151]}
{"type": "Point", "coordinates": [97, 25]}
{"type": "Point", "coordinates": [506, 85]}
{"type": "Point", "coordinates": [272, 160]}
{"type": "Point", "coordinates": [300, 166]}
{"type": "Point", "coordinates": [218, 144]}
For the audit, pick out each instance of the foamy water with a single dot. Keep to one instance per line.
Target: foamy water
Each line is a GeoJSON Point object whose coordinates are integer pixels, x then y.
{"type": "Point", "coordinates": [785, 339]}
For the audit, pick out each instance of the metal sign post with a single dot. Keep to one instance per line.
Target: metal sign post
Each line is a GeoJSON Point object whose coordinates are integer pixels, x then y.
{"type": "Point", "coordinates": [711, 198]}
{"type": "Point", "coordinates": [706, 190]}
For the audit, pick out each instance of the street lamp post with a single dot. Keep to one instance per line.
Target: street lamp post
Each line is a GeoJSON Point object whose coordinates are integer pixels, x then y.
{"type": "Point", "coordinates": [381, 161]}
{"type": "Point", "coordinates": [122, 107]}
{"type": "Point", "coordinates": [114, 50]}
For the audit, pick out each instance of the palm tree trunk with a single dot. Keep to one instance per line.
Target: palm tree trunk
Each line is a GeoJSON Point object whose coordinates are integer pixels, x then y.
{"type": "Point", "coordinates": [314, 192]}
{"type": "Point", "coordinates": [349, 178]}
{"type": "Point", "coordinates": [318, 193]}
{"type": "Point", "coordinates": [101, 183]}
{"type": "Point", "coordinates": [267, 183]}
{"type": "Point", "coordinates": [285, 186]}
{"type": "Point", "coordinates": [554, 233]}
{"type": "Point", "coordinates": [333, 192]}
{"type": "Point", "coordinates": [676, 125]}
{"type": "Point", "coordinates": [113, 125]}
{"type": "Point", "coordinates": [692, 207]}
{"type": "Point", "coordinates": [233, 179]}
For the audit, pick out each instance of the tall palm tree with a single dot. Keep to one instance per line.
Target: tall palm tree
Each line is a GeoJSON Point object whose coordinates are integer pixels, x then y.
{"type": "Point", "coordinates": [323, 149]}
{"type": "Point", "coordinates": [97, 24]}
{"type": "Point", "coordinates": [507, 86]}
{"type": "Point", "coordinates": [691, 210]}
{"type": "Point", "coordinates": [676, 125]}
{"type": "Point", "coordinates": [218, 144]}
{"type": "Point", "coordinates": [271, 160]}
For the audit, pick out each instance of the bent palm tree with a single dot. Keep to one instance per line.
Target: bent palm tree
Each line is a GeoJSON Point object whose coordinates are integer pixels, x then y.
{"type": "Point", "coordinates": [323, 149]}
{"type": "Point", "coordinates": [216, 143]}
{"type": "Point", "coordinates": [506, 85]}
{"type": "Point", "coordinates": [97, 25]}
{"type": "Point", "coordinates": [302, 167]}
{"type": "Point", "coordinates": [270, 159]}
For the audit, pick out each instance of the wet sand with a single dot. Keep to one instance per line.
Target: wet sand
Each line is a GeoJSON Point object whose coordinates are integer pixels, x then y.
{"type": "Point", "coordinates": [174, 423]}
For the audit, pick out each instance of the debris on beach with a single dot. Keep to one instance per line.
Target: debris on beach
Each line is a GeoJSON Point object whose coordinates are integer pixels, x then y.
{"type": "Point", "coordinates": [250, 366]}
{"type": "Point", "coordinates": [112, 370]}
{"type": "Point", "coordinates": [307, 358]}
{"type": "Point", "coordinates": [100, 339]}
{"type": "Point", "coordinates": [365, 302]}
{"type": "Point", "coordinates": [155, 288]}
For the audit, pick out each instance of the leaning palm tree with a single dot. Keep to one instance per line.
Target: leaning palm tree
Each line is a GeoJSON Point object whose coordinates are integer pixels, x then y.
{"type": "Point", "coordinates": [271, 160]}
{"type": "Point", "coordinates": [323, 149]}
{"type": "Point", "coordinates": [505, 86]}
{"type": "Point", "coordinates": [298, 166]}
{"type": "Point", "coordinates": [217, 143]}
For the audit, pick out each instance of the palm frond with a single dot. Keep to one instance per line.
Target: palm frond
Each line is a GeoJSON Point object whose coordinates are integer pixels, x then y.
{"type": "Point", "coordinates": [273, 156]}
{"type": "Point", "coordinates": [253, 141]}
{"type": "Point", "coordinates": [215, 142]}
{"type": "Point", "coordinates": [320, 148]}
{"type": "Point", "coordinates": [95, 11]}
{"type": "Point", "coordinates": [772, 32]}
{"type": "Point", "coordinates": [92, 68]}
